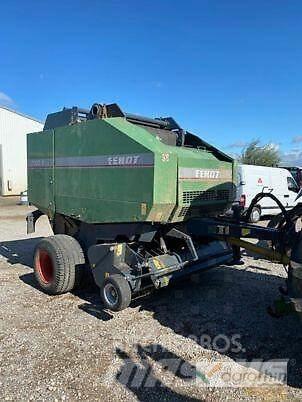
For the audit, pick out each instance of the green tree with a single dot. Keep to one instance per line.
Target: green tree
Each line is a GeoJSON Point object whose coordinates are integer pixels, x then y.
{"type": "Point", "coordinates": [255, 154]}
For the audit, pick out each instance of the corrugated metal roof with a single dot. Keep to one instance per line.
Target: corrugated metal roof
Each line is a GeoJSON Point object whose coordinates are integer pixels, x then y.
{"type": "Point", "coordinates": [20, 114]}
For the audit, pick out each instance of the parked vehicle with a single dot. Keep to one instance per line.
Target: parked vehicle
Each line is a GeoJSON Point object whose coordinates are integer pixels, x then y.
{"type": "Point", "coordinates": [296, 172]}
{"type": "Point", "coordinates": [256, 179]}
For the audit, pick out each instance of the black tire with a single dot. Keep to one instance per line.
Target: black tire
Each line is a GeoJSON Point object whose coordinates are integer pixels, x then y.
{"type": "Point", "coordinates": [255, 215]}
{"type": "Point", "coordinates": [122, 292]}
{"type": "Point", "coordinates": [58, 264]}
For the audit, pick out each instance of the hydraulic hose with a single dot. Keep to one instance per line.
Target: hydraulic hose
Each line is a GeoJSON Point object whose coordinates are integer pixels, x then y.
{"type": "Point", "coordinates": [246, 215]}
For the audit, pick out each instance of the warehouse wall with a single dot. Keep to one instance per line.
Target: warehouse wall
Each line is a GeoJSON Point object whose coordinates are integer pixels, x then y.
{"type": "Point", "coordinates": [13, 160]}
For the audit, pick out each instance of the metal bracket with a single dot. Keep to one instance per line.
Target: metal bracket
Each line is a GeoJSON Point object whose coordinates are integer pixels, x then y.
{"type": "Point", "coordinates": [188, 239]}
{"type": "Point", "coordinates": [31, 220]}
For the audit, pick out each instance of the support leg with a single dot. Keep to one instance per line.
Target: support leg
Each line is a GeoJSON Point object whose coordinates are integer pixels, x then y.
{"type": "Point", "coordinates": [237, 256]}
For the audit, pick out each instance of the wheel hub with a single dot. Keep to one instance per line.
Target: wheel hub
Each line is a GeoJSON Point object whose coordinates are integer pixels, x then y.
{"type": "Point", "coordinates": [256, 215]}
{"type": "Point", "coordinates": [45, 266]}
{"type": "Point", "coordinates": [110, 294]}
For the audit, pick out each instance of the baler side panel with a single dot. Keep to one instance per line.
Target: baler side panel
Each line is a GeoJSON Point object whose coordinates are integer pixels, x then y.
{"type": "Point", "coordinates": [199, 195]}
{"type": "Point", "coordinates": [165, 185]}
{"type": "Point", "coordinates": [91, 184]}
{"type": "Point", "coordinates": [165, 169]}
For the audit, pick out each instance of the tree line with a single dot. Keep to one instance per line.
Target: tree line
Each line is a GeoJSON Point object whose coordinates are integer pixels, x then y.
{"type": "Point", "coordinates": [262, 155]}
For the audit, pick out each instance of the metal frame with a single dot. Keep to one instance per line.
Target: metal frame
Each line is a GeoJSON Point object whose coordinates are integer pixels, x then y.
{"type": "Point", "coordinates": [146, 261]}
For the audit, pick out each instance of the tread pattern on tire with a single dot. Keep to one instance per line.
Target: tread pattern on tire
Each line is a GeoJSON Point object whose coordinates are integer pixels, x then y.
{"type": "Point", "coordinates": [69, 260]}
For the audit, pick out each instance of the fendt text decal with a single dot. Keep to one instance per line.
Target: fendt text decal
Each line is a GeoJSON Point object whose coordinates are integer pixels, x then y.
{"type": "Point", "coordinates": [99, 161]}
{"type": "Point", "coordinates": [204, 174]}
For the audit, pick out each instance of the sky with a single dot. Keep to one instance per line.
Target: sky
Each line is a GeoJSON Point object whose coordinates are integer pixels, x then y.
{"type": "Point", "coordinates": [227, 70]}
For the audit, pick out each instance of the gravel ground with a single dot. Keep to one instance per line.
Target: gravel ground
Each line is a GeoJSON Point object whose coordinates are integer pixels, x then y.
{"type": "Point", "coordinates": [68, 348]}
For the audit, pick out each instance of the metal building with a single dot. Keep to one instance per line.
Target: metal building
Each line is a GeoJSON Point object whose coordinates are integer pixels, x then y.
{"type": "Point", "coordinates": [13, 163]}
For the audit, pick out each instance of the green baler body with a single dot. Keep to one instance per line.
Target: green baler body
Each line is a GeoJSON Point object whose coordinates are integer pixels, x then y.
{"type": "Point", "coordinates": [112, 171]}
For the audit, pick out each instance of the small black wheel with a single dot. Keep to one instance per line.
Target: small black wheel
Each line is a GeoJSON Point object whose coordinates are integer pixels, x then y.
{"type": "Point", "coordinates": [58, 264]}
{"type": "Point", "coordinates": [255, 215]}
{"type": "Point", "coordinates": [116, 292]}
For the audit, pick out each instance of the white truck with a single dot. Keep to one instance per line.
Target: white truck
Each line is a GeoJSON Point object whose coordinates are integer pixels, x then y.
{"type": "Point", "coordinates": [253, 179]}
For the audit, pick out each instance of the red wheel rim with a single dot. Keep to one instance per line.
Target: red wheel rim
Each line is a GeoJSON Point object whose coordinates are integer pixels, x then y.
{"type": "Point", "coordinates": [44, 266]}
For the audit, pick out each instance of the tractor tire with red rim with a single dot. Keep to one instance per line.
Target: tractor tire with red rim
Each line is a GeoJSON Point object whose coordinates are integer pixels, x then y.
{"type": "Point", "coordinates": [58, 264]}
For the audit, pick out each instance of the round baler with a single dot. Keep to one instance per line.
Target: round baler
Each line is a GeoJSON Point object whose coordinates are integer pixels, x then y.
{"type": "Point", "coordinates": [137, 200]}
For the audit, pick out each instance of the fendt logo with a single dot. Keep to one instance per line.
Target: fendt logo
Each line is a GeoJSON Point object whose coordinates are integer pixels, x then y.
{"type": "Point", "coordinates": [124, 160]}
{"type": "Point", "coordinates": [186, 173]}
{"type": "Point", "coordinates": [207, 174]}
